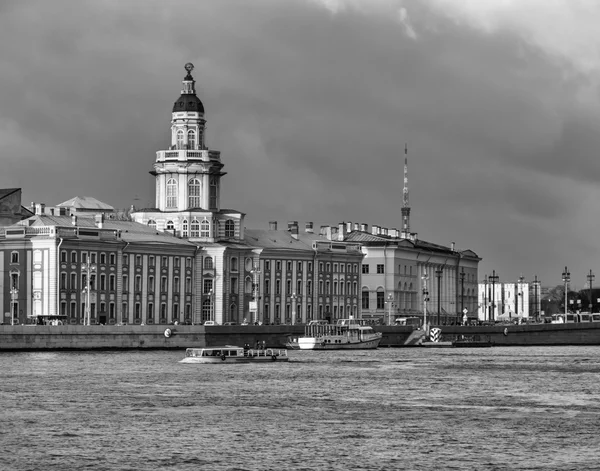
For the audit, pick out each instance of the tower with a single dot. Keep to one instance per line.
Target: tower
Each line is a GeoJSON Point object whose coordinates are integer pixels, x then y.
{"type": "Point", "coordinates": [188, 177]}
{"type": "Point", "coordinates": [405, 207]}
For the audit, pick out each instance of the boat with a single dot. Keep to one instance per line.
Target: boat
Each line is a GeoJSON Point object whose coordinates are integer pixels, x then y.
{"type": "Point", "coordinates": [234, 354]}
{"type": "Point", "coordinates": [345, 334]}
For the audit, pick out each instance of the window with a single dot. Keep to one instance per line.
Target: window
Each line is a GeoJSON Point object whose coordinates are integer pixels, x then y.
{"type": "Point", "coordinates": [171, 194]}
{"type": "Point", "coordinates": [163, 311]}
{"type": "Point", "coordinates": [151, 284]}
{"type": "Point", "coordinates": [267, 265]}
{"type": "Point", "coordinates": [365, 268]}
{"type": "Point", "coordinates": [138, 260]}
{"type": "Point", "coordinates": [176, 262]}
{"type": "Point", "coordinates": [191, 139]}
{"type": "Point", "coordinates": [150, 311]}
{"type": "Point", "coordinates": [170, 225]}
{"type": "Point", "coordinates": [299, 287]}
{"type": "Point", "coordinates": [299, 266]}
{"type": "Point", "coordinates": [229, 229]}
{"type": "Point", "coordinates": [188, 262]}
{"type": "Point", "coordinates": [184, 228]}
{"type": "Point", "coordinates": [73, 309]}
{"type": "Point", "coordinates": [335, 267]}
{"type": "Point", "coordinates": [138, 310]}
{"type": "Point", "coordinates": [234, 264]}
{"type": "Point", "coordinates": [165, 262]}
{"type": "Point", "coordinates": [278, 265]}
{"type": "Point", "coordinates": [176, 286]}
{"type": "Point", "coordinates": [112, 282]}
{"type": "Point", "coordinates": [309, 286]}
{"type": "Point", "coordinates": [188, 284]}
{"type": "Point", "coordinates": [103, 259]}
{"type": "Point", "coordinates": [111, 310]}
{"type": "Point", "coordinates": [63, 308]}
{"type": "Point", "coordinates": [63, 256]}
{"type": "Point", "coordinates": [93, 256]}
{"type": "Point", "coordinates": [248, 285]}
{"type": "Point", "coordinates": [125, 260]}
{"type": "Point", "coordinates": [63, 281]}
{"type": "Point", "coordinates": [125, 283]}
{"type": "Point", "coordinates": [180, 139]}
{"type": "Point", "coordinates": [73, 281]}
{"type": "Point", "coordinates": [310, 266]}
{"type": "Point", "coordinates": [113, 258]}
{"type": "Point", "coordinates": [138, 283]}
{"type": "Point", "coordinates": [328, 266]}
{"type": "Point", "coordinates": [124, 313]}
{"type": "Point", "coordinates": [175, 311]}
{"type": "Point", "coordinates": [380, 268]}
{"type": "Point", "coordinates": [277, 286]}
{"type": "Point", "coordinates": [163, 284]}
{"type": "Point", "coordinates": [206, 310]}
{"type": "Point", "coordinates": [288, 286]}
{"type": "Point", "coordinates": [102, 307]}
{"type": "Point", "coordinates": [207, 286]}
{"type": "Point", "coordinates": [365, 299]}
{"type": "Point", "coordinates": [195, 229]}
{"type": "Point", "coordinates": [205, 229]}
{"type": "Point", "coordinates": [151, 260]}
{"type": "Point", "coordinates": [267, 287]}
{"type": "Point", "coordinates": [102, 282]}
{"type": "Point", "coordinates": [208, 263]}
{"type": "Point", "coordinates": [380, 300]}
{"type": "Point", "coordinates": [73, 257]}
{"type": "Point", "coordinates": [234, 285]}
{"type": "Point", "coordinates": [194, 195]}
{"type": "Point", "coordinates": [288, 266]}
{"type": "Point", "coordinates": [356, 268]}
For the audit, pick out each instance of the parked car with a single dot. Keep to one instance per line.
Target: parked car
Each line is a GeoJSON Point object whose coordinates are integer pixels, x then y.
{"type": "Point", "coordinates": [210, 323]}
{"type": "Point", "coordinates": [229, 323]}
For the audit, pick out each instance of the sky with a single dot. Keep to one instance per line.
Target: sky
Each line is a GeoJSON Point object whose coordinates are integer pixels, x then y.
{"type": "Point", "coordinates": [311, 103]}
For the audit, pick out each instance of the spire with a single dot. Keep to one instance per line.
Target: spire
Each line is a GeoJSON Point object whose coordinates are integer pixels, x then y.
{"type": "Point", "coordinates": [405, 207]}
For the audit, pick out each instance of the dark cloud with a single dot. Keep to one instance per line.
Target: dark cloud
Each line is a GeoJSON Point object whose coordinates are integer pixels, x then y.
{"type": "Point", "coordinates": [311, 111]}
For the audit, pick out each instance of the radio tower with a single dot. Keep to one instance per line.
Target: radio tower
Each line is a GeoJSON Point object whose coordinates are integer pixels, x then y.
{"type": "Point", "coordinates": [405, 207]}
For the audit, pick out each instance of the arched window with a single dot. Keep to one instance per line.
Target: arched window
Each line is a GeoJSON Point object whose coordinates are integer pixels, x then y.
{"type": "Point", "coordinates": [195, 229]}
{"type": "Point", "coordinates": [229, 229]}
{"type": "Point", "coordinates": [205, 229]}
{"type": "Point", "coordinates": [170, 225]}
{"type": "Point", "coordinates": [194, 196]}
{"type": "Point", "coordinates": [207, 310]}
{"type": "Point", "coordinates": [234, 264]}
{"type": "Point", "coordinates": [191, 139]}
{"type": "Point", "coordinates": [152, 223]}
{"type": "Point", "coordinates": [208, 263]}
{"type": "Point", "coordinates": [184, 228]}
{"type": "Point", "coordinates": [171, 194]}
{"type": "Point", "coordinates": [213, 193]}
{"type": "Point", "coordinates": [180, 139]}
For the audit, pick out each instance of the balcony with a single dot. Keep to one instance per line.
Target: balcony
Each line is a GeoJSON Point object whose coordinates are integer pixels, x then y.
{"type": "Point", "coordinates": [183, 155]}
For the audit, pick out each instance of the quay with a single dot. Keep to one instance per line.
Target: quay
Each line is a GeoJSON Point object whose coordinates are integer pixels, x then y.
{"type": "Point", "coordinates": [103, 337]}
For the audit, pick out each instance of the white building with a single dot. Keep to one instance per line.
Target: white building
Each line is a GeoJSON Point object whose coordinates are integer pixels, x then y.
{"type": "Point", "coordinates": [499, 301]}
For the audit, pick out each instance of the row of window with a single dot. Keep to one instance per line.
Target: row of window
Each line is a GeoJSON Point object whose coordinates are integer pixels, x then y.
{"type": "Point", "coordinates": [337, 267]}
{"type": "Point", "coordinates": [137, 313]}
{"type": "Point", "coordinates": [164, 261]}
{"type": "Point", "coordinates": [194, 193]}
{"type": "Point", "coordinates": [93, 257]}
{"type": "Point", "coordinates": [99, 282]}
{"type": "Point", "coordinates": [325, 288]}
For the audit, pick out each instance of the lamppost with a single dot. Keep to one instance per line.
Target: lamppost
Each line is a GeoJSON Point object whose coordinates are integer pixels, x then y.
{"type": "Point", "coordinates": [293, 298]}
{"type": "Point", "coordinates": [14, 296]}
{"type": "Point", "coordinates": [520, 285]}
{"type": "Point", "coordinates": [566, 277]}
{"type": "Point", "coordinates": [390, 302]}
{"type": "Point", "coordinates": [486, 297]}
{"type": "Point", "coordinates": [462, 292]}
{"type": "Point", "coordinates": [211, 298]}
{"type": "Point", "coordinates": [255, 292]}
{"type": "Point", "coordinates": [493, 278]}
{"type": "Point", "coordinates": [89, 268]}
{"type": "Point", "coordinates": [590, 278]}
{"type": "Point", "coordinates": [438, 274]}
{"type": "Point", "coordinates": [536, 311]}
{"type": "Point", "coordinates": [425, 277]}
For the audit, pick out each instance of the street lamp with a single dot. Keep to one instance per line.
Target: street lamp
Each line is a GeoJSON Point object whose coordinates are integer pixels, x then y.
{"type": "Point", "coordinates": [438, 274]}
{"type": "Point", "coordinates": [89, 268]}
{"type": "Point", "coordinates": [211, 298]}
{"type": "Point", "coordinates": [255, 292]}
{"type": "Point", "coordinates": [293, 298]}
{"type": "Point", "coordinates": [493, 279]}
{"type": "Point", "coordinates": [536, 311]}
{"type": "Point", "coordinates": [14, 296]}
{"type": "Point", "coordinates": [520, 286]}
{"type": "Point", "coordinates": [425, 277]}
{"type": "Point", "coordinates": [566, 277]}
{"type": "Point", "coordinates": [462, 291]}
{"type": "Point", "coordinates": [590, 278]}
{"type": "Point", "coordinates": [390, 301]}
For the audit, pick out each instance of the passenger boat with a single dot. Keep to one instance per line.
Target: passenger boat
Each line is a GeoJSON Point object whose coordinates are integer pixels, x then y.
{"type": "Point", "coordinates": [233, 354]}
{"type": "Point", "coordinates": [345, 334]}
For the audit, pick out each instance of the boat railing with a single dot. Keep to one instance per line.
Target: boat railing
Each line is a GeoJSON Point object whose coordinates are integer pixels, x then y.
{"type": "Point", "coordinates": [266, 352]}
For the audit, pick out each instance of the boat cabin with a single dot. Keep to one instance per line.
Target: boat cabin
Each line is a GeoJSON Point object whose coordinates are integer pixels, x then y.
{"type": "Point", "coordinates": [226, 351]}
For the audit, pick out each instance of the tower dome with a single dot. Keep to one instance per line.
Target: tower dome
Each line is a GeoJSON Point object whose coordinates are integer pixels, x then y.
{"type": "Point", "coordinates": [188, 101]}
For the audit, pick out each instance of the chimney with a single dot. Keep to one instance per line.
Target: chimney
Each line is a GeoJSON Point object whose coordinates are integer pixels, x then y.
{"type": "Point", "coordinates": [292, 224]}
{"type": "Point", "coordinates": [325, 231]}
{"type": "Point", "coordinates": [272, 225]}
{"type": "Point", "coordinates": [348, 227]}
{"type": "Point", "coordinates": [452, 246]}
{"type": "Point", "coordinates": [73, 220]}
{"type": "Point", "coordinates": [99, 220]}
{"type": "Point", "coordinates": [341, 231]}
{"type": "Point", "coordinates": [384, 231]}
{"type": "Point", "coordinates": [39, 208]}
{"type": "Point", "coordinates": [394, 233]}
{"type": "Point", "coordinates": [364, 227]}
{"type": "Point", "coordinates": [374, 229]}
{"type": "Point", "coordinates": [308, 227]}
{"type": "Point", "coordinates": [356, 226]}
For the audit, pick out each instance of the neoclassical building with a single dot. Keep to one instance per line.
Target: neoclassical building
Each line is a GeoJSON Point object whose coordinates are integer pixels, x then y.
{"type": "Point", "coordinates": [187, 259]}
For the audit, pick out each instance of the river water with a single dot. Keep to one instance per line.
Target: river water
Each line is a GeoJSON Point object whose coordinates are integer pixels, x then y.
{"type": "Point", "coordinates": [535, 408]}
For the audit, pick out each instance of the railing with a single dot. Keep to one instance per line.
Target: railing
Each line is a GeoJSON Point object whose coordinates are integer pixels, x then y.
{"type": "Point", "coordinates": [184, 154]}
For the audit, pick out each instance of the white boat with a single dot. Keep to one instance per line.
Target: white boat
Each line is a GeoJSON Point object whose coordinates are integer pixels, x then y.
{"type": "Point", "coordinates": [233, 354]}
{"type": "Point", "coordinates": [345, 334]}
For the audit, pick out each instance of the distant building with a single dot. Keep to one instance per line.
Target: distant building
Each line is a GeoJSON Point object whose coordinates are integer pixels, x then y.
{"type": "Point", "coordinates": [11, 210]}
{"type": "Point", "coordinates": [502, 301]}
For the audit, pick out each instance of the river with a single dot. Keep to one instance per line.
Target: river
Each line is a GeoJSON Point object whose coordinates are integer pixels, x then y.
{"type": "Point", "coordinates": [530, 408]}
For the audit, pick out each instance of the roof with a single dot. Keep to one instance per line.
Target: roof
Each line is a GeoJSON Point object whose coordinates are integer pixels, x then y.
{"type": "Point", "coordinates": [86, 203]}
{"type": "Point", "coordinates": [188, 102]}
{"type": "Point", "coordinates": [4, 192]}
